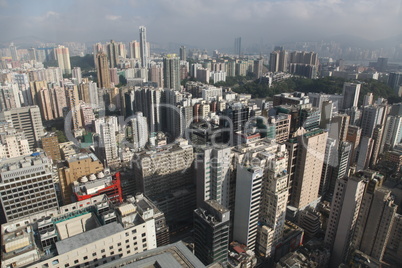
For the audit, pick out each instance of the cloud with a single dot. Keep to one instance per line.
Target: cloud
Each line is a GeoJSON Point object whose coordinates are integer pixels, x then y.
{"type": "Point", "coordinates": [112, 17]}
{"type": "Point", "coordinates": [203, 23]}
{"type": "Point", "coordinates": [3, 3]}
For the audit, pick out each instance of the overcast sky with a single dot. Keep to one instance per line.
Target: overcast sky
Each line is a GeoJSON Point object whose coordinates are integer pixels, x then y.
{"type": "Point", "coordinates": [206, 23]}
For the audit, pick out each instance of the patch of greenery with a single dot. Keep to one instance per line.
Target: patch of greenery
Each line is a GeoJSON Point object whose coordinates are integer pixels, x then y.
{"type": "Point", "coordinates": [86, 63]}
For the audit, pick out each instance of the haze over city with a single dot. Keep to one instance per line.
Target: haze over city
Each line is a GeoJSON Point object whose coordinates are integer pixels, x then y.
{"type": "Point", "coordinates": [210, 24]}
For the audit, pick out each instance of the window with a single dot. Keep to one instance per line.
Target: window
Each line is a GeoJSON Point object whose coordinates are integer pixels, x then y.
{"type": "Point", "coordinates": [102, 251]}
{"type": "Point", "coordinates": [76, 261]}
{"type": "Point", "coordinates": [94, 254]}
{"type": "Point", "coordinates": [134, 231]}
{"type": "Point", "coordinates": [143, 235]}
{"type": "Point", "coordinates": [119, 244]}
{"type": "Point", "coordinates": [111, 247]}
{"type": "Point", "coordinates": [85, 258]}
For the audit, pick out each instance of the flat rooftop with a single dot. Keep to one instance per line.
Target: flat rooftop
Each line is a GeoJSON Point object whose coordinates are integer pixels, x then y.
{"type": "Point", "coordinates": [169, 256]}
{"type": "Point", "coordinates": [88, 237]}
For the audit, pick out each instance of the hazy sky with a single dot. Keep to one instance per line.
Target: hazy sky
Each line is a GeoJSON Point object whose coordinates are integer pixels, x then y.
{"type": "Point", "coordinates": [209, 23]}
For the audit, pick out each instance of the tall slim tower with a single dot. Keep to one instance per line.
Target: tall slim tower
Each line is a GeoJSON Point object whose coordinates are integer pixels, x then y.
{"type": "Point", "coordinates": [143, 47]}
{"type": "Point", "coordinates": [73, 103]}
{"type": "Point", "coordinates": [171, 74]}
{"type": "Point", "coordinates": [63, 59]}
{"type": "Point", "coordinates": [237, 46]}
{"type": "Point", "coordinates": [183, 55]}
{"type": "Point", "coordinates": [102, 66]}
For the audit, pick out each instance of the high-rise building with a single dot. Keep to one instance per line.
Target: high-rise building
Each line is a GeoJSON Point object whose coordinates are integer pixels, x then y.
{"type": "Point", "coordinates": [106, 146]}
{"type": "Point", "coordinates": [171, 74]}
{"type": "Point", "coordinates": [372, 116]}
{"type": "Point", "coordinates": [135, 49]}
{"type": "Point", "coordinates": [351, 92]}
{"type": "Point", "coordinates": [28, 119]}
{"type": "Point", "coordinates": [395, 81]}
{"type": "Point", "coordinates": [62, 56]}
{"type": "Point", "coordinates": [211, 232]}
{"type": "Point", "coordinates": [345, 207]}
{"type": "Point", "coordinates": [13, 52]}
{"type": "Point", "coordinates": [50, 145]}
{"type": "Point", "coordinates": [213, 175]}
{"type": "Point", "coordinates": [392, 132]}
{"type": "Point", "coordinates": [166, 175]}
{"type": "Point", "coordinates": [73, 104]}
{"type": "Point", "coordinates": [258, 68]}
{"type": "Point", "coordinates": [77, 75]}
{"type": "Point", "coordinates": [373, 226]}
{"type": "Point", "coordinates": [144, 49]}
{"type": "Point", "coordinates": [45, 104]}
{"type": "Point", "coordinates": [103, 71]}
{"type": "Point", "coordinates": [274, 199]}
{"type": "Point", "coordinates": [248, 202]}
{"type": "Point", "coordinates": [75, 167]}
{"type": "Point", "coordinates": [365, 153]}
{"type": "Point", "coordinates": [353, 136]}
{"type": "Point", "coordinates": [26, 187]}
{"type": "Point", "coordinates": [147, 101]}
{"type": "Point", "coordinates": [112, 51]}
{"type": "Point", "coordinates": [9, 97]}
{"type": "Point", "coordinates": [114, 78]}
{"type": "Point", "coordinates": [139, 128]}
{"type": "Point", "coordinates": [183, 55]}
{"type": "Point", "coordinates": [59, 101]}
{"type": "Point", "coordinates": [237, 47]}
{"type": "Point", "coordinates": [306, 159]}
{"type": "Point", "coordinates": [156, 74]}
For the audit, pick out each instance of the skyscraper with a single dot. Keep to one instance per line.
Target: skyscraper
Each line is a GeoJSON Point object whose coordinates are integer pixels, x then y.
{"type": "Point", "coordinates": [107, 146]}
{"type": "Point", "coordinates": [144, 47]}
{"type": "Point", "coordinates": [211, 232]}
{"type": "Point", "coordinates": [102, 67]}
{"type": "Point", "coordinates": [273, 202]}
{"type": "Point", "coordinates": [139, 128]}
{"type": "Point", "coordinates": [73, 103]}
{"type": "Point", "coordinates": [342, 218]}
{"type": "Point", "coordinates": [112, 51]}
{"type": "Point", "coordinates": [351, 92]}
{"type": "Point", "coordinates": [183, 55]}
{"type": "Point", "coordinates": [77, 75]}
{"type": "Point", "coordinates": [395, 81]}
{"type": "Point", "coordinates": [237, 46]}
{"type": "Point", "coordinates": [13, 52]}
{"type": "Point", "coordinates": [306, 159]}
{"type": "Point", "coordinates": [135, 50]}
{"type": "Point", "coordinates": [171, 74]}
{"type": "Point", "coordinates": [213, 175]}
{"type": "Point", "coordinates": [62, 56]}
{"type": "Point", "coordinates": [374, 223]}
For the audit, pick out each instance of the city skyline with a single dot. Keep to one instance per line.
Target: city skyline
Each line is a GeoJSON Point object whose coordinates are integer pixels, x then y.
{"type": "Point", "coordinates": [255, 21]}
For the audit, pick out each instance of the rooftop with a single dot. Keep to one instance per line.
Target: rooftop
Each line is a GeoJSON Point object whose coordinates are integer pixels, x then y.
{"type": "Point", "coordinates": [88, 237]}
{"type": "Point", "coordinates": [170, 256]}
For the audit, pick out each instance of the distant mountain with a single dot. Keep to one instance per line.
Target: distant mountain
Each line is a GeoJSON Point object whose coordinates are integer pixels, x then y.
{"type": "Point", "coordinates": [27, 41]}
